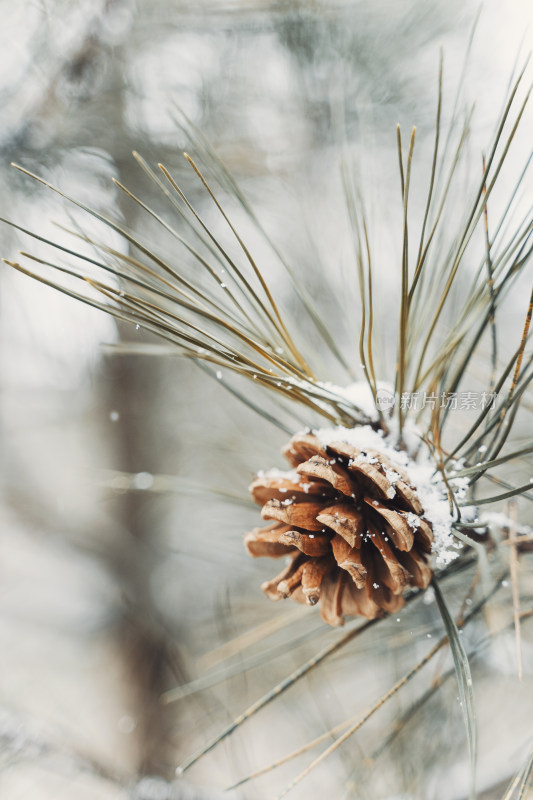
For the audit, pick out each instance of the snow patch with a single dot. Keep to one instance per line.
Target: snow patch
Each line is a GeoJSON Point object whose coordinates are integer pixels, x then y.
{"type": "Point", "coordinates": [500, 520]}
{"type": "Point", "coordinates": [360, 395]}
{"type": "Point", "coordinates": [416, 461]}
{"type": "Point", "coordinates": [287, 474]}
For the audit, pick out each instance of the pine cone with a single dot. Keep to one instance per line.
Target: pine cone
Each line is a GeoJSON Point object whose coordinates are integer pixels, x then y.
{"type": "Point", "coordinates": [351, 524]}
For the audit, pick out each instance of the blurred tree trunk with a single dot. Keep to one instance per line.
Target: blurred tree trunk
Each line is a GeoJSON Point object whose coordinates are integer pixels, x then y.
{"type": "Point", "coordinates": [131, 385]}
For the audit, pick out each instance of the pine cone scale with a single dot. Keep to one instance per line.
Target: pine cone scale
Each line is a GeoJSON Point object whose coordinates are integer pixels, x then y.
{"type": "Point", "coordinates": [345, 520]}
{"type": "Point", "coordinates": [298, 515]}
{"type": "Point", "coordinates": [313, 575]}
{"type": "Point", "coordinates": [315, 545]}
{"type": "Point", "coordinates": [329, 472]}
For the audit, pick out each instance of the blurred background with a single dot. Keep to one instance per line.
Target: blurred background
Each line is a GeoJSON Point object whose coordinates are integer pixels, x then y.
{"type": "Point", "coordinates": [124, 477]}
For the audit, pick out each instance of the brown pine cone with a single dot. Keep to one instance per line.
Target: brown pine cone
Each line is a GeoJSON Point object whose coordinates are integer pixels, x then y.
{"type": "Point", "coordinates": [351, 524]}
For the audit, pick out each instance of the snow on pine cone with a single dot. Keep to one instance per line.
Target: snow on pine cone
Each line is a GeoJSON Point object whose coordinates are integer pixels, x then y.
{"type": "Point", "coordinates": [351, 524]}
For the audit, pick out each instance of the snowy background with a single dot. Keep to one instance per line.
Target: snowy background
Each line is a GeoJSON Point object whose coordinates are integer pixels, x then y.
{"type": "Point", "coordinates": [122, 575]}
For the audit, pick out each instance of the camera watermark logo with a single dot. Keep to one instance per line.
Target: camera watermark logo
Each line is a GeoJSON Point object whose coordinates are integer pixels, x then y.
{"type": "Point", "coordinates": [464, 401]}
{"type": "Point", "coordinates": [385, 399]}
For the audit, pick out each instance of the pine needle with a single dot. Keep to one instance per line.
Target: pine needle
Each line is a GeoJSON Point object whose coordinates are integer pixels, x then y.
{"type": "Point", "coordinates": [455, 641]}
{"type": "Point", "coordinates": [227, 180]}
{"type": "Point", "coordinates": [513, 568]}
{"type": "Point", "coordinates": [252, 636]}
{"type": "Point", "coordinates": [284, 332]}
{"type": "Point", "coordinates": [490, 285]}
{"type": "Point", "coordinates": [361, 721]}
{"type": "Point", "coordinates": [522, 781]}
{"type": "Point", "coordinates": [275, 692]}
{"type": "Point", "coordinates": [464, 681]}
{"type": "Point", "coordinates": [404, 296]}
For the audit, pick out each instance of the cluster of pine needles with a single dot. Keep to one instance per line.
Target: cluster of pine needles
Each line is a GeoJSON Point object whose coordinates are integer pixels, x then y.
{"type": "Point", "coordinates": [218, 309]}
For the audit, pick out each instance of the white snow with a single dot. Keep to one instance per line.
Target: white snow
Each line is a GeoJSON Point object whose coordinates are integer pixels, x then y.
{"type": "Point", "coordinates": [143, 481]}
{"type": "Point", "coordinates": [287, 474]}
{"type": "Point", "coordinates": [391, 475]}
{"type": "Point", "coordinates": [500, 520]}
{"type": "Point", "coordinates": [416, 461]}
{"type": "Point", "coordinates": [359, 394]}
